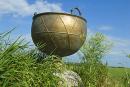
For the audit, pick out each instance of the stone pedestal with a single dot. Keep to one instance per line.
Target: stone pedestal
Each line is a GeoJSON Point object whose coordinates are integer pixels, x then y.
{"type": "Point", "coordinates": [69, 79]}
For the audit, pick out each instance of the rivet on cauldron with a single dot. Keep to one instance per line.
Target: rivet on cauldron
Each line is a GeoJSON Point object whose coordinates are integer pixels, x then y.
{"type": "Point", "coordinates": [62, 33]}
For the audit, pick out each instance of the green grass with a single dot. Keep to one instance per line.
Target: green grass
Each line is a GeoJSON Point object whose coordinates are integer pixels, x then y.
{"type": "Point", "coordinates": [118, 72]}
{"type": "Point", "coordinates": [19, 66]}
{"type": "Point", "coordinates": [120, 77]}
{"type": "Point", "coordinates": [23, 67]}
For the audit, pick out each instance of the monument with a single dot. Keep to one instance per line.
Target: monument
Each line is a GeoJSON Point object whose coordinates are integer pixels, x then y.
{"type": "Point", "coordinates": [63, 34]}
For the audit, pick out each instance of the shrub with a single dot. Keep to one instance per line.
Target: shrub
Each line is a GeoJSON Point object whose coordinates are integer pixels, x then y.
{"type": "Point", "coordinates": [91, 70]}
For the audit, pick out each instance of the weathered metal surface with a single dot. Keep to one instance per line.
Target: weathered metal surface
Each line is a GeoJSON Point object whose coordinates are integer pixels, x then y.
{"type": "Point", "coordinates": [63, 34]}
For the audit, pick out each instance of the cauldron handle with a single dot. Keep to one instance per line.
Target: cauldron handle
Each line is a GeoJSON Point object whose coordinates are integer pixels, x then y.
{"type": "Point", "coordinates": [77, 10]}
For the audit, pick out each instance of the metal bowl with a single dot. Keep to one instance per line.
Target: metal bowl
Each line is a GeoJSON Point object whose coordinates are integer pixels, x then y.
{"type": "Point", "coordinates": [62, 33]}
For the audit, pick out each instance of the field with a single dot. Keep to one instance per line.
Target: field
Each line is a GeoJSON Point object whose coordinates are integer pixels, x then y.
{"type": "Point", "coordinates": [118, 73]}
{"type": "Point", "coordinates": [120, 77]}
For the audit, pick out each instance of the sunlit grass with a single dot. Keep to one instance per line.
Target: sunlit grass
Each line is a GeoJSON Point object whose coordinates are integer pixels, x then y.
{"type": "Point", "coordinates": [21, 66]}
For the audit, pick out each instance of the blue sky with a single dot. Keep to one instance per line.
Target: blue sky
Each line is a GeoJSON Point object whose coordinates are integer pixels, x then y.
{"type": "Point", "coordinates": [110, 17]}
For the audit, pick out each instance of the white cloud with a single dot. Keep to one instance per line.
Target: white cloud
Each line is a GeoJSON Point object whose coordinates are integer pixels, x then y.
{"type": "Point", "coordinates": [104, 28]}
{"type": "Point", "coordinates": [118, 54]}
{"type": "Point", "coordinates": [121, 46]}
{"type": "Point", "coordinates": [27, 37]}
{"type": "Point", "coordinates": [23, 8]}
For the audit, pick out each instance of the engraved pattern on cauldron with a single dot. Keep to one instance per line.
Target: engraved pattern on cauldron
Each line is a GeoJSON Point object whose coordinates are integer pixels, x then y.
{"type": "Point", "coordinates": [63, 34]}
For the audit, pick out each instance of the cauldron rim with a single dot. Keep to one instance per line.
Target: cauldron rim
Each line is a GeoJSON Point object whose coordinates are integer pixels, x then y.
{"type": "Point", "coordinates": [48, 13]}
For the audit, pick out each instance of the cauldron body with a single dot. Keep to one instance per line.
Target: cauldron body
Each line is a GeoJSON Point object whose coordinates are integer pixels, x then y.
{"type": "Point", "coordinates": [63, 34]}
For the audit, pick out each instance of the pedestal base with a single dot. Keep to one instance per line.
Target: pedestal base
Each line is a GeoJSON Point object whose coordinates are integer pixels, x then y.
{"type": "Point", "coordinates": [69, 79]}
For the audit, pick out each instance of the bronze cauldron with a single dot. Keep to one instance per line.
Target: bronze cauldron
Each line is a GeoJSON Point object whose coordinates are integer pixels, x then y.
{"type": "Point", "coordinates": [62, 33]}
